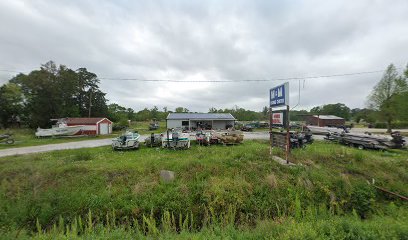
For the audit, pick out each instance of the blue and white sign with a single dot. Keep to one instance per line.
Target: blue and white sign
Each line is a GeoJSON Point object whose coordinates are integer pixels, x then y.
{"type": "Point", "coordinates": [279, 96]}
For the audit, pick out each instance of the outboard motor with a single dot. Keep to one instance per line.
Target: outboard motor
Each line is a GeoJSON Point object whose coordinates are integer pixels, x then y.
{"type": "Point", "coordinates": [175, 136]}
{"type": "Point", "coordinates": [397, 139]}
{"type": "Point", "coordinates": [123, 139]}
{"type": "Point", "coordinates": [152, 139]}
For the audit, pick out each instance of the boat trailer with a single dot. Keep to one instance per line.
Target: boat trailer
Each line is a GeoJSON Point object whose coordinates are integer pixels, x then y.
{"type": "Point", "coordinates": [368, 141]}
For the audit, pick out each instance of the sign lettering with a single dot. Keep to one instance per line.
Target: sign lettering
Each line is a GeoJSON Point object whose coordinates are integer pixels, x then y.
{"type": "Point", "coordinates": [277, 118]}
{"type": "Point", "coordinates": [279, 96]}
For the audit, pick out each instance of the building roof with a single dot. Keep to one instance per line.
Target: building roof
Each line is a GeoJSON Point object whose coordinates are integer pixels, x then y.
{"type": "Point", "coordinates": [84, 121]}
{"type": "Point", "coordinates": [200, 116]}
{"type": "Point", "coordinates": [328, 117]}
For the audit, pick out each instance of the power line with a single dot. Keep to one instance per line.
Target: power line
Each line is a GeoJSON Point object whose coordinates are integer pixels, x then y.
{"type": "Point", "coordinates": [5, 70]}
{"type": "Point", "coordinates": [229, 81]}
{"type": "Point", "coordinates": [242, 80]}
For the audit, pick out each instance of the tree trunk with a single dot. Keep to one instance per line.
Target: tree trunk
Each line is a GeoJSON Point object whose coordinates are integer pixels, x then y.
{"type": "Point", "coordinates": [389, 126]}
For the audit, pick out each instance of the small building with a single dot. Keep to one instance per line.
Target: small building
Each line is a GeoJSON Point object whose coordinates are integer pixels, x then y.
{"type": "Point", "coordinates": [325, 120]}
{"type": "Point", "coordinates": [193, 121]}
{"type": "Point", "coordinates": [92, 126]}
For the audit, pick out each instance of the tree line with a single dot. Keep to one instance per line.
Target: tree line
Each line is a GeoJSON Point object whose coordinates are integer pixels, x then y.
{"type": "Point", "coordinates": [51, 92]}
{"type": "Point", "coordinates": [58, 91]}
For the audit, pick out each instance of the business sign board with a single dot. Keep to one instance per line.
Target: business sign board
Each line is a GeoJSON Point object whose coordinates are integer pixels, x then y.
{"type": "Point", "coordinates": [279, 96]}
{"type": "Point", "coordinates": [277, 118]}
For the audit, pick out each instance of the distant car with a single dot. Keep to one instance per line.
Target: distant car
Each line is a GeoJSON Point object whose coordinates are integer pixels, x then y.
{"type": "Point", "coordinates": [247, 128]}
{"type": "Point", "coordinates": [6, 138]}
{"type": "Point", "coordinates": [153, 126]}
{"type": "Point", "coordinates": [263, 125]}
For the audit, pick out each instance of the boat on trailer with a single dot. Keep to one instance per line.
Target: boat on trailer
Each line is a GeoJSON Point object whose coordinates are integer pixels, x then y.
{"type": "Point", "coordinates": [205, 138]}
{"type": "Point", "coordinates": [155, 140]}
{"type": "Point", "coordinates": [59, 129]}
{"type": "Point", "coordinates": [230, 137]}
{"type": "Point", "coordinates": [127, 141]}
{"type": "Point", "coordinates": [326, 130]}
{"type": "Point", "coordinates": [175, 140]}
{"type": "Point", "coordinates": [368, 141]}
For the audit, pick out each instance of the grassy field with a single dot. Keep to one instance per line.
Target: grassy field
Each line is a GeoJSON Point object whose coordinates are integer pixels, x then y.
{"type": "Point", "coordinates": [143, 127]}
{"type": "Point", "coordinates": [219, 192]}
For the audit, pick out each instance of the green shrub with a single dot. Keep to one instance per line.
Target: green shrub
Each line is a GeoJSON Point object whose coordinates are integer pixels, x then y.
{"type": "Point", "coordinates": [361, 199]}
{"type": "Point", "coordinates": [380, 125]}
{"type": "Point", "coordinates": [358, 156]}
{"type": "Point", "coordinates": [120, 125]}
{"type": "Point", "coordinates": [399, 125]}
{"type": "Point", "coordinates": [394, 125]}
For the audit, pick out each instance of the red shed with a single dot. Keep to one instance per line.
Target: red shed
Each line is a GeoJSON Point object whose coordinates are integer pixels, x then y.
{"type": "Point", "coordinates": [325, 120]}
{"type": "Point", "coordinates": [92, 126]}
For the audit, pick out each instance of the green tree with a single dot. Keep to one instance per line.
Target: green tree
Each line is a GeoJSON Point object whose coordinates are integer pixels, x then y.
{"type": "Point", "coordinates": [181, 110]}
{"type": "Point", "coordinates": [402, 99]}
{"type": "Point", "coordinates": [57, 92]}
{"type": "Point", "coordinates": [265, 112]}
{"type": "Point", "coordinates": [368, 115]}
{"type": "Point", "coordinates": [88, 95]}
{"type": "Point", "coordinates": [384, 96]}
{"type": "Point", "coordinates": [11, 102]}
{"type": "Point", "coordinates": [298, 115]}
{"type": "Point", "coordinates": [154, 112]}
{"type": "Point", "coordinates": [143, 115]}
{"type": "Point", "coordinates": [117, 113]}
{"type": "Point", "coordinates": [212, 110]}
{"type": "Point", "coordinates": [337, 109]}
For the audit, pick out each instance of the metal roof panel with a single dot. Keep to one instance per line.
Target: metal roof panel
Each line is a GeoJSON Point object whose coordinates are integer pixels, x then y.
{"type": "Point", "coordinates": [328, 117]}
{"type": "Point", "coordinates": [200, 116]}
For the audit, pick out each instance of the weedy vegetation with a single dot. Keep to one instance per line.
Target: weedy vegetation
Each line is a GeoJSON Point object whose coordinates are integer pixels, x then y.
{"type": "Point", "coordinates": [219, 192]}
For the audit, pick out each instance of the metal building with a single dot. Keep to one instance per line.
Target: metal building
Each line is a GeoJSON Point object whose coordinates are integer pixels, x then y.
{"type": "Point", "coordinates": [193, 121]}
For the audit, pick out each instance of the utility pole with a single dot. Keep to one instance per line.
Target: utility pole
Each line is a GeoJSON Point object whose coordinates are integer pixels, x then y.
{"type": "Point", "coordinates": [90, 103]}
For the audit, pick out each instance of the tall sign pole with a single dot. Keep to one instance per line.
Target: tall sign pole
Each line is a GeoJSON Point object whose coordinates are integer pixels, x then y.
{"type": "Point", "coordinates": [270, 131]}
{"type": "Point", "coordinates": [287, 135]}
{"type": "Point", "coordinates": [279, 97]}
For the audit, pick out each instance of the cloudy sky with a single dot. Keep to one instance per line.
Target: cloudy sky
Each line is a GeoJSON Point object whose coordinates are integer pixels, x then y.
{"type": "Point", "coordinates": [210, 40]}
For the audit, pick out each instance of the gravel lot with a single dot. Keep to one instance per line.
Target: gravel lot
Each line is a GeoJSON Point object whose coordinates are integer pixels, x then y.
{"type": "Point", "coordinates": [90, 144]}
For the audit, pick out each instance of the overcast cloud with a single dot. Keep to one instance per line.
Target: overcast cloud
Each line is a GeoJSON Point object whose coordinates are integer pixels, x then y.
{"type": "Point", "coordinates": [210, 40]}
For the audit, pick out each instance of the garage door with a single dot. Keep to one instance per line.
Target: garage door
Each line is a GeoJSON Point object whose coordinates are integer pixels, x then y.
{"type": "Point", "coordinates": [103, 128]}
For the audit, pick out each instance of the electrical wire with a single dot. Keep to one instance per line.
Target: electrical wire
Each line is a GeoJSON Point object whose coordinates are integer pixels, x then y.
{"type": "Point", "coordinates": [229, 81]}
{"type": "Point", "coordinates": [242, 80]}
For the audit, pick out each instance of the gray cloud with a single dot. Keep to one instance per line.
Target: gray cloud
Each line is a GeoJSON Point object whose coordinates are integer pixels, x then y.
{"type": "Point", "coordinates": [210, 40]}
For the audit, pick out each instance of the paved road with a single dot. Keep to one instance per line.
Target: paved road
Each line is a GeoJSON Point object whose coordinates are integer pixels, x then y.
{"type": "Point", "coordinates": [106, 142]}
{"type": "Point", "coordinates": [53, 147]}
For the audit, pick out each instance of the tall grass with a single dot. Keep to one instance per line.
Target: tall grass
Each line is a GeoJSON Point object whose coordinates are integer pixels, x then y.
{"type": "Point", "coordinates": [309, 223]}
{"type": "Point", "coordinates": [98, 192]}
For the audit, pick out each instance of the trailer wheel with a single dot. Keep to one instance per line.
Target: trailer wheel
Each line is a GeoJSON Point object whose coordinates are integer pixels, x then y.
{"type": "Point", "coordinates": [361, 147]}
{"type": "Point", "coordinates": [10, 141]}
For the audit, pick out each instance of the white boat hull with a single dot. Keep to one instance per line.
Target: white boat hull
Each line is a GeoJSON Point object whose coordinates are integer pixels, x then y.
{"type": "Point", "coordinates": [324, 130]}
{"type": "Point", "coordinates": [59, 131]}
